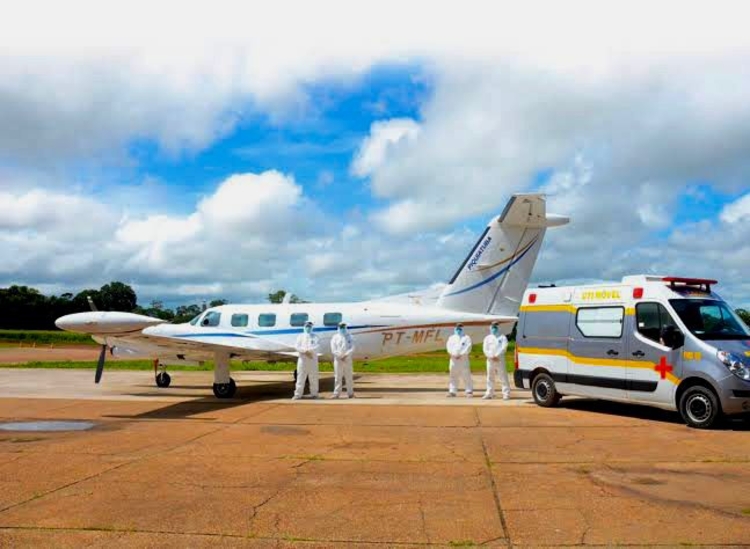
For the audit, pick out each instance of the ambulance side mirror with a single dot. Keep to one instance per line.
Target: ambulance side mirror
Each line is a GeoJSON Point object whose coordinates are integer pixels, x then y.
{"type": "Point", "coordinates": [672, 337]}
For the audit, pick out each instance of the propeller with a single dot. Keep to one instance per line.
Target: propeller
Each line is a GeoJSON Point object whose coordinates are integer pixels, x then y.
{"type": "Point", "coordinates": [100, 364]}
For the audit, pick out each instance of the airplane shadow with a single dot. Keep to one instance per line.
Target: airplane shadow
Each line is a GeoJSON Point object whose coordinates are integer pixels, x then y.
{"type": "Point", "coordinates": [637, 411]}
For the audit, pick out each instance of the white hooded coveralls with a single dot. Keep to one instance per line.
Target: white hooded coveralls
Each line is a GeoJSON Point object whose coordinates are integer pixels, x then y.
{"type": "Point", "coordinates": [494, 348]}
{"type": "Point", "coordinates": [307, 345]}
{"type": "Point", "coordinates": [342, 349]}
{"type": "Point", "coordinates": [458, 348]}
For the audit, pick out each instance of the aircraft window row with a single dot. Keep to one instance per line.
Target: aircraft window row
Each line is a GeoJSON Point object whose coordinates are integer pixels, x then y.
{"type": "Point", "coordinates": [600, 321]}
{"type": "Point", "coordinates": [298, 319]}
{"type": "Point", "coordinates": [331, 319]}
{"type": "Point", "coordinates": [239, 320]}
{"type": "Point", "coordinates": [265, 320]}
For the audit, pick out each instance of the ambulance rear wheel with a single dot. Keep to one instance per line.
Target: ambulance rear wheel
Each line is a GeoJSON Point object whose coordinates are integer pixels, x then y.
{"type": "Point", "coordinates": [699, 407]}
{"type": "Point", "coordinates": [544, 391]}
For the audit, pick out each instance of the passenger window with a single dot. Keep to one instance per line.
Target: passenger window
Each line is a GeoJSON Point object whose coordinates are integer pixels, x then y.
{"type": "Point", "coordinates": [600, 321]}
{"type": "Point", "coordinates": [266, 320]}
{"type": "Point", "coordinates": [239, 320]}
{"type": "Point", "coordinates": [212, 318]}
{"type": "Point", "coordinates": [650, 319]}
{"type": "Point", "coordinates": [298, 319]}
{"type": "Point", "coordinates": [332, 319]}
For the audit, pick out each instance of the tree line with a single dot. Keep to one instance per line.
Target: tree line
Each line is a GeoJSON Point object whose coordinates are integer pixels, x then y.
{"type": "Point", "coordinates": [25, 308]}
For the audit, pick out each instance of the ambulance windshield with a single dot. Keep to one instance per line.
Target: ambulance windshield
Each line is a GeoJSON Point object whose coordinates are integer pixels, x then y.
{"type": "Point", "coordinates": [710, 319]}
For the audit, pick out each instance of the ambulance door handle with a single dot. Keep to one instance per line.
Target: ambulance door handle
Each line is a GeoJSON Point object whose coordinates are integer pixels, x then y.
{"type": "Point", "coordinates": [639, 353]}
{"type": "Point", "coordinates": [612, 352]}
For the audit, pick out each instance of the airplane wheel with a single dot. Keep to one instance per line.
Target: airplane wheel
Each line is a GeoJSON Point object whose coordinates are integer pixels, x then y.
{"type": "Point", "coordinates": [163, 379]}
{"type": "Point", "coordinates": [225, 390]}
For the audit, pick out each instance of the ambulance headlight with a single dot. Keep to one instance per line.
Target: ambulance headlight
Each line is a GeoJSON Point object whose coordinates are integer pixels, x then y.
{"type": "Point", "coordinates": [734, 364]}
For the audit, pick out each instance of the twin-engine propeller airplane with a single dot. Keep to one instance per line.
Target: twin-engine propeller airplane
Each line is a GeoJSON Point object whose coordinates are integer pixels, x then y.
{"type": "Point", "coordinates": [487, 287]}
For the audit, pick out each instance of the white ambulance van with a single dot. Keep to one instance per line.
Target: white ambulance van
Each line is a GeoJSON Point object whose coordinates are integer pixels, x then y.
{"type": "Point", "coordinates": [668, 342]}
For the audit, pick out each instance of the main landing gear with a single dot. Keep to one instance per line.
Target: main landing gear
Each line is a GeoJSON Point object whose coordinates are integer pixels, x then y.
{"type": "Point", "coordinates": [225, 390]}
{"type": "Point", "coordinates": [224, 385]}
{"type": "Point", "coordinates": [163, 379]}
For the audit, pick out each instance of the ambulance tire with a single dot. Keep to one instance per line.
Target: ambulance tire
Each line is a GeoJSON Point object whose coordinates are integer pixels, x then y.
{"type": "Point", "coordinates": [699, 407]}
{"type": "Point", "coordinates": [544, 391]}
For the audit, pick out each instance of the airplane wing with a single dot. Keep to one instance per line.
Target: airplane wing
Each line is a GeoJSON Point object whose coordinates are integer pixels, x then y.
{"type": "Point", "coordinates": [176, 340]}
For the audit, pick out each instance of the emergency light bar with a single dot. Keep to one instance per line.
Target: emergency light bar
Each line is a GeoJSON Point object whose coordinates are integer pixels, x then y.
{"type": "Point", "coordinates": [699, 282]}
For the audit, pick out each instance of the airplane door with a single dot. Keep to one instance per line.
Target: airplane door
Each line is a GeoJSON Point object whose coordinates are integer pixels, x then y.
{"type": "Point", "coordinates": [656, 367]}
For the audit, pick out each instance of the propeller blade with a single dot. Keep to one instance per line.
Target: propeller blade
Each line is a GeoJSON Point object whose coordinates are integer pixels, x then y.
{"type": "Point", "coordinates": [100, 364]}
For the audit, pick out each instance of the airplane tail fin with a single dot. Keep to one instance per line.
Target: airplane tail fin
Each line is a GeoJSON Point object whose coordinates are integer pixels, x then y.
{"type": "Point", "coordinates": [494, 276]}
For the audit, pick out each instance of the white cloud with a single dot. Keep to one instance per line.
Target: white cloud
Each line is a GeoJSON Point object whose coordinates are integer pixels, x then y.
{"type": "Point", "coordinates": [624, 104]}
{"type": "Point", "coordinates": [739, 210]}
{"type": "Point", "coordinates": [81, 78]}
{"type": "Point", "coordinates": [384, 138]}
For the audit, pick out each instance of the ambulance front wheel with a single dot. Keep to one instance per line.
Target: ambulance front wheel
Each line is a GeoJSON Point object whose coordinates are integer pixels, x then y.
{"type": "Point", "coordinates": [699, 407]}
{"type": "Point", "coordinates": [544, 391]}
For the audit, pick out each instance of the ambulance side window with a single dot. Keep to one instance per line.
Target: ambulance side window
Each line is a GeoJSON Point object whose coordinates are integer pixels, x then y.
{"type": "Point", "coordinates": [650, 319]}
{"type": "Point", "coordinates": [600, 321]}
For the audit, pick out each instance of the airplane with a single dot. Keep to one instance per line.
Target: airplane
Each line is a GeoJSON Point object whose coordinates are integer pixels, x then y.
{"type": "Point", "coordinates": [487, 287]}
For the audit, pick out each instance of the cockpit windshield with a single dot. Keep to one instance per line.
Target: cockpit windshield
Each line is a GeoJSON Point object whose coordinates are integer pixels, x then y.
{"type": "Point", "coordinates": [194, 322]}
{"type": "Point", "coordinates": [710, 319]}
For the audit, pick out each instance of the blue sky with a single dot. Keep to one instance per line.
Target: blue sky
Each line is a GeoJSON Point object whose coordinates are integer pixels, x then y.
{"type": "Point", "coordinates": [344, 157]}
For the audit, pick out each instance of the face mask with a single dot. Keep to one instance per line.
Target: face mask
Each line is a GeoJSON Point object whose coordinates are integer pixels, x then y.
{"type": "Point", "coordinates": [459, 331]}
{"type": "Point", "coordinates": [308, 329]}
{"type": "Point", "coordinates": [342, 331]}
{"type": "Point", "coordinates": [495, 331]}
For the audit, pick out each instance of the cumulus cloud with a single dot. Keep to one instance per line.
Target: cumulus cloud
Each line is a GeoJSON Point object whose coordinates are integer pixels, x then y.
{"type": "Point", "coordinates": [738, 210]}
{"type": "Point", "coordinates": [385, 136]}
{"type": "Point", "coordinates": [594, 103]}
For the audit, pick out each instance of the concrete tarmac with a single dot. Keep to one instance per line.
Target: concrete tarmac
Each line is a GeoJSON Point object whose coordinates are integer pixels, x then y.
{"type": "Point", "coordinates": [399, 466]}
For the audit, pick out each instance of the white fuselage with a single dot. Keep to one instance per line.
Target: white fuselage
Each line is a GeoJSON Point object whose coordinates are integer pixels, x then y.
{"type": "Point", "coordinates": [379, 329]}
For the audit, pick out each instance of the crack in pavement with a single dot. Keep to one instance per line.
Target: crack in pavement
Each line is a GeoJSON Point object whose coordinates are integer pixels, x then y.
{"type": "Point", "coordinates": [495, 495]}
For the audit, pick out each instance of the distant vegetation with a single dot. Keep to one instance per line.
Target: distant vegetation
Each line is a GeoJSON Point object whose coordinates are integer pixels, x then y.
{"type": "Point", "coordinates": [25, 308]}
{"type": "Point", "coordinates": [44, 337]}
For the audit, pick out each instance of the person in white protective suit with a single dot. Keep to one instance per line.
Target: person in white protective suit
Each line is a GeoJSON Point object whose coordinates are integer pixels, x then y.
{"type": "Point", "coordinates": [342, 349]}
{"type": "Point", "coordinates": [459, 347]}
{"type": "Point", "coordinates": [307, 345]}
{"type": "Point", "coordinates": [495, 345]}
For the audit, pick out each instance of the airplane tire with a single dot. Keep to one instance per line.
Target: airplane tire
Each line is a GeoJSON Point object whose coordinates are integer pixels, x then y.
{"type": "Point", "coordinates": [163, 379]}
{"type": "Point", "coordinates": [225, 390]}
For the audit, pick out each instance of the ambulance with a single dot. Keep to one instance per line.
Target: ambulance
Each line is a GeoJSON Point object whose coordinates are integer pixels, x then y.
{"type": "Point", "coordinates": [662, 341]}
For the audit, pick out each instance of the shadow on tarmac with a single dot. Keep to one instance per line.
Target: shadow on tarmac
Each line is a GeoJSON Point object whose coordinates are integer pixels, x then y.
{"type": "Point", "coordinates": [637, 411]}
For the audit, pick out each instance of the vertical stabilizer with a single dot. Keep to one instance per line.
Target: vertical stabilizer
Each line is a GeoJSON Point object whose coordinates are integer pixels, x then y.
{"type": "Point", "coordinates": [494, 276]}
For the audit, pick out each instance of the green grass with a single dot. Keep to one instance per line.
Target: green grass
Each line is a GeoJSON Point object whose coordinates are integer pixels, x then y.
{"type": "Point", "coordinates": [436, 362]}
{"type": "Point", "coordinates": [43, 337]}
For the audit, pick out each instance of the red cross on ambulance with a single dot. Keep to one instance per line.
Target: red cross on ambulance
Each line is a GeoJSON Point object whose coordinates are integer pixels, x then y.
{"type": "Point", "coordinates": [663, 367]}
